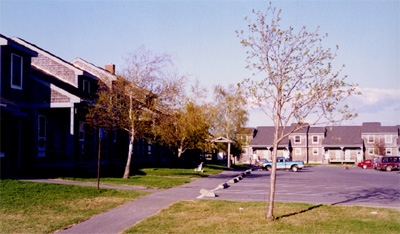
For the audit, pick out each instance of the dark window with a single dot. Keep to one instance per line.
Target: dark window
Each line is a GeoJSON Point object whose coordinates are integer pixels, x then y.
{"type": "Point", "coordinates": [86, 86]}
{"type": "Point", "coordinates": [16, 71]}
{"type": "Point", "coordinates": [297, 139]}
{"type": "Point", "coordinates": [315, 139]}
{"type": "Point", "coordinates": [42, 126]}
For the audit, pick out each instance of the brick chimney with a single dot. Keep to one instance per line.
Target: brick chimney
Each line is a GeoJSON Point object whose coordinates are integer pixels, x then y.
{"type": "Point", "coordinates": [110, 68]}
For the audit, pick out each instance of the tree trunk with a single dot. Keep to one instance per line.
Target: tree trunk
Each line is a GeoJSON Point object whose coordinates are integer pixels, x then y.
{"type": "Point", "coordinates": [271, 198]}
{"type": "Point", "coordinates": [180, 151]}
{"type": "Point", "coordinates": [128, 162]}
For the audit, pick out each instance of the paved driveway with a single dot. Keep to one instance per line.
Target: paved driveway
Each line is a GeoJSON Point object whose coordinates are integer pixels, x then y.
{"type": "Point", "coordinates": [321, 185]}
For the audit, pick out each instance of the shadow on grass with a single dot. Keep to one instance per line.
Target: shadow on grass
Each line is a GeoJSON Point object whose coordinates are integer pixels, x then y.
{"type": "Point", "coordinates": [299, 212]}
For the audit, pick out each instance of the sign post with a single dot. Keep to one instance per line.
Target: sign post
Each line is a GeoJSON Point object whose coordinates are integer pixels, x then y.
{"type": "Point", "coordinates": [101, 136]}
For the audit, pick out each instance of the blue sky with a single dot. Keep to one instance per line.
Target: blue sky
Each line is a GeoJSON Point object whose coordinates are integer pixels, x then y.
{"type": "Point", "coordinates": [200, 36]}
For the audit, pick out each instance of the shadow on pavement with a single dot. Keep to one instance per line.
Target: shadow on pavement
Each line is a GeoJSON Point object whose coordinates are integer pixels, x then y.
{"type": "Point", "coordinates": [385, 196]}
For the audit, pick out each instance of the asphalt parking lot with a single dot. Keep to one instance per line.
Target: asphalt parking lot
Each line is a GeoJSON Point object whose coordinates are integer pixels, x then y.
{"type": "Point", "coordinates": [321, 185]}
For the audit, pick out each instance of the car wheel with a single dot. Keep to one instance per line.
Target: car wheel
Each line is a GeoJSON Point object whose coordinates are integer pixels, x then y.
{"type": "Point", "coordinates": [269, 168]}
{"type": "Point", "coordinates": [294, 168]}
{"type": "Point", "coordinates": [388, 168]}
{"type": "Point", "coordinates": [364, 166]}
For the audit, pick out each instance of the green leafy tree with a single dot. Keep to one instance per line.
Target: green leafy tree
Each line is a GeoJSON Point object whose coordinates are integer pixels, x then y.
{"type": "Point", "coordinates": [186, 126]}
{"type": "Point", "coordinates": [229, 114]}
{"type": "Point", "coordinates": [123, 106]}
{"type": "Point", "coordinates": [293, 80]}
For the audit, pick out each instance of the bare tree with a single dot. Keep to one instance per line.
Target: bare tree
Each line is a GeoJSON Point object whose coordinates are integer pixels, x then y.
{"type": "Point", "coordinates": [380, 147]}
{"type": "Point", "coordinates": [293, 80]}
{"type": "Point", "coordinates": [146, 85]}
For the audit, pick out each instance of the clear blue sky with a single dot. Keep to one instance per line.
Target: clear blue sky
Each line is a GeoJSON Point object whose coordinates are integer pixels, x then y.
{"type": "Point", "coordinates": [200, 35]}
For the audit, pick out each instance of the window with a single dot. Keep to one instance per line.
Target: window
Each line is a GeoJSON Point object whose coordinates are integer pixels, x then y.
{"type": "Point", "coordinates": [297, 151]}
{"type": "Point", "coordinates": [315, 151]}
{"type": "Point", "coordinates": [370, 139]}
{"type": "Point", "coordinates": [388, 138]}
{"type": "Point", "coordinates": [388, 151]}
{"type": "Point", "coordinates": [371, 151]}
{"type": "Point", "coordinates": [16, 71]}
{"type": "Point", "coordinates": [149, 149]}
{"type": "Point", "coordinates": [314, 139]}
{"type": "Point", "coordinates": [297, 139]}
{"type": "Point", "coordinates": [42, 126]}
{"type": "Point", "coordinates": [81, 131]}
{"type": "Point", "coordinates": [86, 86]}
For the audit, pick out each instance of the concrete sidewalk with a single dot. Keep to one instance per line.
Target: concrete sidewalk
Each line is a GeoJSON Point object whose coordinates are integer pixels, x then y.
{"type": "Point", "coordinates": [127, 215]}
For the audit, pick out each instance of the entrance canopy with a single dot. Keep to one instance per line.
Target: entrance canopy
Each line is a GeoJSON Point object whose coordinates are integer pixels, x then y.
{"type": "Point", "coordinates": [225, 140]}
{"type": "Point", "coordinates": [222, 139]}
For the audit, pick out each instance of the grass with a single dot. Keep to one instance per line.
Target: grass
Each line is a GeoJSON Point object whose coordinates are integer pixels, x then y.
{"type": "Point", "coordinates": [206, 216]}
{"type": "Point", "coordinates": [27, 207]}
{"type": "Point", "coordinates": [157, 178]}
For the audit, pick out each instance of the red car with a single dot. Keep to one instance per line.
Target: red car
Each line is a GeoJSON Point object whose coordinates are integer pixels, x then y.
{"type": "Point", "coordinates": [388, 163]}
{"type": "Point", "coordinates": [369, 163]}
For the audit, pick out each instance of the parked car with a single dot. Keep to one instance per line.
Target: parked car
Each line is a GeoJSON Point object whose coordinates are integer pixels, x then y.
{"type": "Point", "coordinates": [387, 163]}
{"type": "Point", "coordinates": [261, 163]}
{"type": "Point", "coordinates": [369, 163]}
{"type": "Point", "coordinates": [284, 163]}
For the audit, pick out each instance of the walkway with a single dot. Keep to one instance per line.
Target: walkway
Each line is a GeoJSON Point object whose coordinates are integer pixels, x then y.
{"type": "Point", "coordinates": [127, 215]}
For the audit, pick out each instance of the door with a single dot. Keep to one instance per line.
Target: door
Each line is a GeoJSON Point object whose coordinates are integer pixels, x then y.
{"type": "Point", "coordinates": [41, 136]}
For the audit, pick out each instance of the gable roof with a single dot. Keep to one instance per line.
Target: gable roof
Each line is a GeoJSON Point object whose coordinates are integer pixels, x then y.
{"type": "Point", "coordinates": [375, 128]}
{"type": "Point", "coordinates": [5, 41]}
{"type": "Point", "coordinates": [222, 139]}
{"type": "Point", "coordinates": [264, 137]}
{"type": "Point", "coordinates": [343, 136]}
{"type": "Point", "coordinates": [54, 65]}
{"type": "Point", "coordinates": [99, 72]}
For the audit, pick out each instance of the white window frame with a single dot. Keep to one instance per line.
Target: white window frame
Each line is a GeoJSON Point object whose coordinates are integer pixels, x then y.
{"type": "Point", "coordinates": [12, 76]}
{"type": "Point", "coordinates": [297, 151]}
{"type": "Point", "coordinates": [295, 139]}
{"type": "Point", "coordinates": [388, 139]}
{"type": "Point", "coordinates": [315, 151]}
{"type": "Point", "coordinates": [312, 139]}
{"type": "Point", "coordinates": [371, 139]}
{"type": "Point", "coordinates": [388, 151]}
{"type": "Point", "coordinates": [371, 151]}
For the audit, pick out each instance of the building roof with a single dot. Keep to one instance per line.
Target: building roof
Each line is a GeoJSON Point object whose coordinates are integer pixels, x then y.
{"type": "Point", "coordinates": [53, 64]}
{"type": "Point", "coordinates": [376, 128]}
{"type": "Point", "coordinates": [264, 137]}
{"type": "Point", "coordinates": [343, 136]}
{"type": "Point", "coordinates": [99, 72]}
{"type": "Point", "coordinates": [5, 41]}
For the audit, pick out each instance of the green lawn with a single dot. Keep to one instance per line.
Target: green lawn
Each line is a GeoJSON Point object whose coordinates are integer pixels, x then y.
{"type": "Point", "coordinates": [157, 178]}
{"type": "Point", "coordinates": [27, 207]}
{"type": "Point", "coordinates": [206, 216]}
